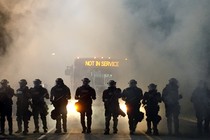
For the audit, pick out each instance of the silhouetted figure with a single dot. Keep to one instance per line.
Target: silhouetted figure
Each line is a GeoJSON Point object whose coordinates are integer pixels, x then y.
{"type": "Point", "coordinates": [132, 97]}
{"type": "Point", "coordinates": [200, 101]}
{"type": "Point", "coordinates": [39, 106]}
{"type": "Point", "coordinates": [6, 94]}
{"type": "Point", "coordinates": [111, 104]}
{"type": "Point", "coordinates": [171, 99]}
{"type": "Point", "coordinates": [85, 94]}
{"type": "Point", "coordinates": [207, 119]}
{"type": "Point", "coordinates": [60, 94]}
{"type": "Point", "coordinates": [150, 101]}
{"type": "Point", "coordinates": [23, 100]}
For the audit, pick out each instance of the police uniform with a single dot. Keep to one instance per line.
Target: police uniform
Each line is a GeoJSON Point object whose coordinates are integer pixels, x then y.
{"type": "Point", "coordinates": [60, 94]}
{"type": "Point", "coordinates": [151, 100]}
{"type": "Point", "coordinates": [6, 94]}
{"type": "Point", "coordinates": [171, 97]}
{"type": "Point", "coordinates": [85, 94]}
{"type": "Point", "coordinates": [207, 119]}
{"type": "Point", "coordinates": [111, 104]}
{"type": "Point", "coordinates": [199, 99]}
{"type": "Point", "coordinates": [132, 97]}
{"type": "Point", "coordinates": [39, 106]}
{"type": "Point", "coordinates": [22, 113]}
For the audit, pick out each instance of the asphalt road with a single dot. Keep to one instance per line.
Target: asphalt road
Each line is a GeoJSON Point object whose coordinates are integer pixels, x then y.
{"type": "Point", "coordinates": [187, 129]}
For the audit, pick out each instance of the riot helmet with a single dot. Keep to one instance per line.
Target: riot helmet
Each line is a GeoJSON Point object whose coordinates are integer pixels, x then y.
{"type": "Point", "coordinates": [173, 81]}
{"type": "Point", "coordinates": [152, 86]}
{"type": "Point", "coordinates": [23, 82]}
{"type": "Point", "coordinates": [132, 83]}
{"type": "Point", "coordinates": [112, 83]}
{"type": "Point", "coordinates": [4, 82]}
{"type": "Point", "coordinates": [37, 82]}
{"type": "Point", "coordinates": [59, 82]}
{"type": "Point", "coordinates": [86, 81]}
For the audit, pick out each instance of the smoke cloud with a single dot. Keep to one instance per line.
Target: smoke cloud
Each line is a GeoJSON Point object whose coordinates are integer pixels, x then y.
{"type": "Point", "coordinates": [161, 38]}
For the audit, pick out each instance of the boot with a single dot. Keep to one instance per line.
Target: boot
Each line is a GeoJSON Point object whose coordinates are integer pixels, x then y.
{"type": "Point", "coordinates": [149, 130]}
{"type": "Point", "coordinates": [18, 131]}
{"type": "Point", "coordinates": [19, 128]}
{"type": "Point", "coordinates": [84, 129]}
{"type": "Point", "coordinates": [57, 131]}
{"type": "Point", "coordinates": [65, 130]}
{"type": "Point", "coordinates": [36, 131]}
{"type": "Point", "coordinates": [25, 132]}
{"type": "Point", "coordinates": [89, 130]}
{"type": "Point", "coordinates": [64, 124]}
{"type": "Point", "coordinates": [169, 125]}
{"type": "Point", "coordinates": [115, 131]}
{"type": "Point", "coordinates": [131, 132]}
{"type": "Point", "coordinates": [45, 130]}
{"type": "Point", "coordinates": [106, 132]}
{"type": "Point", "coordinates": [115, 123]}
{"type": "Point", "coordinates": [89, 122]}
{"type": "Point", "coordinates": [156, 133]}
{"type": "Point", "coordinates": [10, 125]}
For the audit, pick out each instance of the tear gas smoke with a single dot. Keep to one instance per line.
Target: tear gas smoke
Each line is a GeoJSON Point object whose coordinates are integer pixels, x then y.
{"type": "Point", "coordinates": [161, 38]}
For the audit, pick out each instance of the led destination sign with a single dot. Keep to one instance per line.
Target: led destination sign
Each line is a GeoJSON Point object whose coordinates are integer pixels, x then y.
{"type": "Point", "coordinates": [101, 63]}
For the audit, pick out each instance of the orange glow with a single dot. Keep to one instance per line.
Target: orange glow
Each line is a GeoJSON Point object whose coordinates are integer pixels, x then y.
{"type": "Point", "coordinates": [76, 107]}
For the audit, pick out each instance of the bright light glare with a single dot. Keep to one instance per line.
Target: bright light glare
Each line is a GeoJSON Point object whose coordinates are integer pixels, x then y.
{"type": "Point", "coordinates": [143, 110]}
{"type": "Point", "coordinates": [71, 108]}
{"type": "Point", "coordinates": [123, 107]}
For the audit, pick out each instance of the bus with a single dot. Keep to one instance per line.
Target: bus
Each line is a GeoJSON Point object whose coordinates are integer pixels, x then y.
{"type": "Point", "coordinates": [98, 70]}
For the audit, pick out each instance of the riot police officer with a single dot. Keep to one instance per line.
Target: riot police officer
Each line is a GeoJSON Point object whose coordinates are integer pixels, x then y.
{"type": "Point", "coordinates": [150, 101]}
{"type": "Point", "coordinates": [60, 94]}
{"type": "Point", "coordinates": [171, 97]}
{"type": "Point", "coordinates": [132, 97]}
{"type": "Point", "coordinates": [207, 119]}
{"type": "Point", "coordinates": [23, 100]}
{"type": "Point", "coordinates": [39, 106]}
{"type": "Point", "coordinates": [199, 99]}
{"type": "Point", "coordinates": [85, 94]}
{"type": "Point", "coordinates": [111, 104]}
{"type": "Point", "coordinates": [6, 94]}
